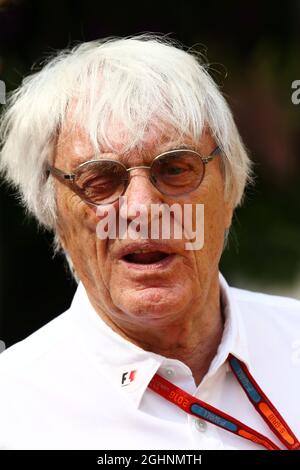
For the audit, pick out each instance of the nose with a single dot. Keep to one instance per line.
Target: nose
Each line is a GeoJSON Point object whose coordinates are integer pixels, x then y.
{"type": "Point", "coordinates": [140, 193]}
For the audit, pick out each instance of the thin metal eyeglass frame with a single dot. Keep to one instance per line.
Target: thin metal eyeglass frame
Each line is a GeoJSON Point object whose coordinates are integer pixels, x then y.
{"type": "Point", "coordinates": [69, 178]}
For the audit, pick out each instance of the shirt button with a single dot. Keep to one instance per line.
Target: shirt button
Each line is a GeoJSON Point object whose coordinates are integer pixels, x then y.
{"type": "Point", "coordinates": [169, 372]}
{"type": "Point", "coordinates": [200, 425]}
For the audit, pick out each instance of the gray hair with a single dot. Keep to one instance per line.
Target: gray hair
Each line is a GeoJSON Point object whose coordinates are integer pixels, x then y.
{"type": "Point", "coordinates": [139, 82]}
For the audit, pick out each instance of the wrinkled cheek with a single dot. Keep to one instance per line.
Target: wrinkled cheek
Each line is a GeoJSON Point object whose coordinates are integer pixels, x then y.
{"type": "Point", "coordinates": [214, 235]}
{"type": "Point", "coordinates": [76, 221]}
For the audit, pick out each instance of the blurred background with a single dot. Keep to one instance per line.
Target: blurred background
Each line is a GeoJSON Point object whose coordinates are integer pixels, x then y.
{"type": "Point", "coordinates": [253, 47]}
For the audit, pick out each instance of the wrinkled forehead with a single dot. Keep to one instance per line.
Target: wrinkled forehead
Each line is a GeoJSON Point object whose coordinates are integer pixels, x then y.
{"type": "Point", "coordinates": [75, 145]}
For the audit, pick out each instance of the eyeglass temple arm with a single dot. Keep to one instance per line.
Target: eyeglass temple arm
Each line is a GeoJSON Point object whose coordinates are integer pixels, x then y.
{"type": "Point", "coordinates": [58, 173]}
{"type": "Point", "coordinates": [210, 157]}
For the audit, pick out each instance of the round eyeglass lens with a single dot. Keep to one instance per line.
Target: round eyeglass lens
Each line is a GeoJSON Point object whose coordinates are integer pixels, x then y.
{"type": "Point", "coordinates": [177, 172]}
{"type": "Point", "coordinates": [101, 182]}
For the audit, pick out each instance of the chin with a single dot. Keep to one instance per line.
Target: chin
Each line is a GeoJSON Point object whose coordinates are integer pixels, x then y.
{"type": "Point", "coordinates": [155, 302]}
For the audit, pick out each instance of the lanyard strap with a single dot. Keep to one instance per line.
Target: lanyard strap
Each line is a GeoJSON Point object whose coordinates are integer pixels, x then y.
{"type": "Point", "coordinates": [262, 404]}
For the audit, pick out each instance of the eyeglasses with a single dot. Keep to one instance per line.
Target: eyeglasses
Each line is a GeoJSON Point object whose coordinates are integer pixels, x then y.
{"type": "Point", "coordinates": [174, 173]}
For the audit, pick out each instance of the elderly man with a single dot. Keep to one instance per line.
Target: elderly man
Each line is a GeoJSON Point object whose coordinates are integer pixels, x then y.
{"type": "Point", "coordinates": [156, 350]}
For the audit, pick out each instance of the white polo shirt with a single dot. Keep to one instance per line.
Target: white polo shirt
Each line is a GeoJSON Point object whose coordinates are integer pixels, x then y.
{"type": "Point", "coordinates": [61, 388]}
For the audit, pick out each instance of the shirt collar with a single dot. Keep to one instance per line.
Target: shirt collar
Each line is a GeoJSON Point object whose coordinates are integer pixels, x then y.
{"type": "Point", "coordinates": [130, 367]}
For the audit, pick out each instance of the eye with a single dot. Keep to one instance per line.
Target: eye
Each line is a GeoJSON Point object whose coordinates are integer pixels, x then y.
{"type": "Point", "coordinates": [100, 176]}
{"type": "Point", "coordinates": [173, 170]}
{"type": "Point", "coordinates": [95, 182]}
{"type": "Point", "coordinates": [98, 182]}
{"type": "Point", "coordinates": [173, 167]}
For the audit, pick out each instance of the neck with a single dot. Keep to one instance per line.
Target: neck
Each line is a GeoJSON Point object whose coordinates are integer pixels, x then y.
{"type": "Point", "coordinates": [194, 343]}
{"type": "Point", "coordinates": [193, 338]}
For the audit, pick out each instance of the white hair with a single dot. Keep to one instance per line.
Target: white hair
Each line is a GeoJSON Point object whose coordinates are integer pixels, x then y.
{"type": "Point", "coordinates": [140, 82]}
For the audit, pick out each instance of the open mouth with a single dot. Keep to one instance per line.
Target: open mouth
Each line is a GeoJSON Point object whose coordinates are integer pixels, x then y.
{"type": "Point", "coordinates": [140, 257]}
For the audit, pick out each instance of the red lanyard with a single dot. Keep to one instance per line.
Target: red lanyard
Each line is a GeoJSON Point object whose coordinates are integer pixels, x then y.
{"type": "Point", "coordinates": [257, 397]}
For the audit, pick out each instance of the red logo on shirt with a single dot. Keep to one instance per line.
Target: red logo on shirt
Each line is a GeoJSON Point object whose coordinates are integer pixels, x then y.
{"type": "Point", "coordinates": [128, 377]}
